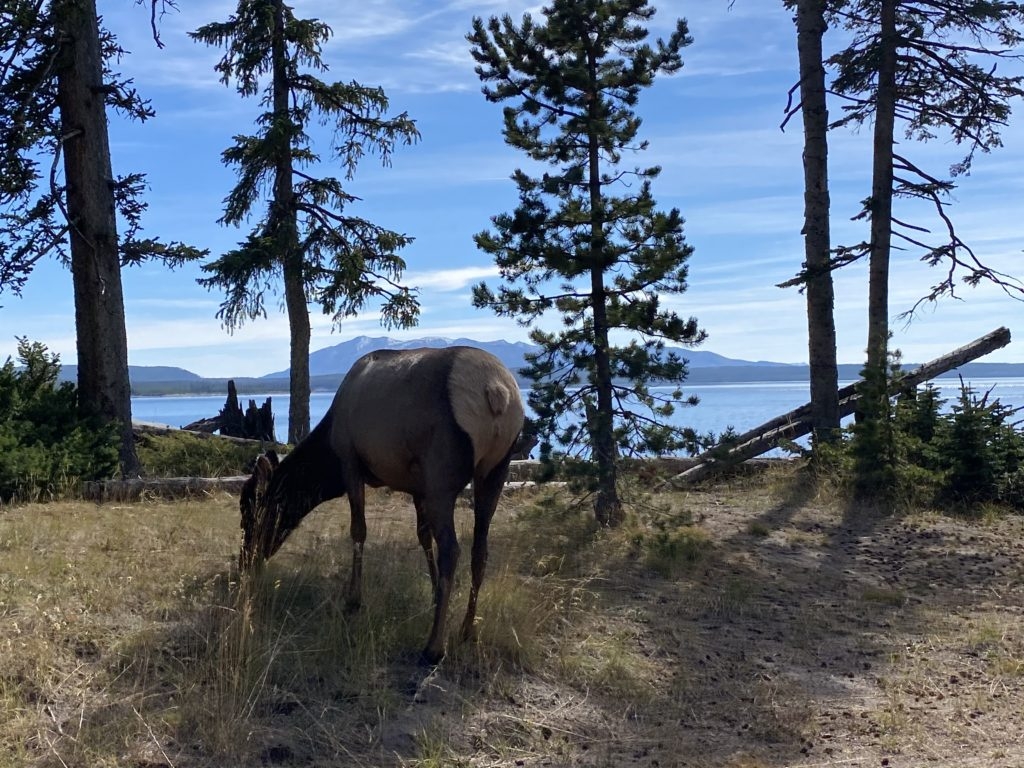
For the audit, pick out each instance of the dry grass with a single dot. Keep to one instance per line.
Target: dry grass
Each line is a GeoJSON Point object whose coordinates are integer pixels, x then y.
{"type": "Point", "coordinates": [752, 623]}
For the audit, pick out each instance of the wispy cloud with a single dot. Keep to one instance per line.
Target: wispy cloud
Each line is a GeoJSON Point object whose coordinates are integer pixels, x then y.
{"type": "Point", "coordinates": [714, 129]}
{"type": "Point", "coordinates": [451, 279]}
{"type": "Point", "coordinates": [164, 304]}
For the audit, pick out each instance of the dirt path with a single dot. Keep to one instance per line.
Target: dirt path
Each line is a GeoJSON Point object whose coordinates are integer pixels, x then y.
{"type": "Point", "coordinates": [803, 637]}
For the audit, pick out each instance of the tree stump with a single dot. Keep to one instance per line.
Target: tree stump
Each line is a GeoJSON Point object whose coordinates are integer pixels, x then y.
{"type": "Point", "coordinates": [258, 422]}
{"type": "Point", "coordinates": [255, 423]}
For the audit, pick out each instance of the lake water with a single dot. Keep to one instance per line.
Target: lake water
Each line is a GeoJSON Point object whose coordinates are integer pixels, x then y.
{"type": "Point", "coordinates": [742, 406]}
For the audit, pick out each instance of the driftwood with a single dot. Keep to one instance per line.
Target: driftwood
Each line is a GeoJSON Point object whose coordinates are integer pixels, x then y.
{"type": "Point", "coordinates": [796, 423]}
{"type": "Point", "coordinates": [255, 423]}
{"type": "Point", "coordinates": [521, 473]}
{"type": "Point", "coordinates": [161, 487]}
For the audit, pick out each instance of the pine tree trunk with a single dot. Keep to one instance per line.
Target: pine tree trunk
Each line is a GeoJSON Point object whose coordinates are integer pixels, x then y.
{"type": "Point", "coordinates": [821, 327]}
{"type": "Point", "coordinates": [298, 321]}
{"type": "Point", "coordinates": [103, 384]}
{"type": "Point", "coordinates": [873, 438]}
{"type": "Point", "coordinates": [286, 235]}
{"type": "Point", "coordinates": [607, 507]}
{"type": "Point", "coordinates": [881, 192]}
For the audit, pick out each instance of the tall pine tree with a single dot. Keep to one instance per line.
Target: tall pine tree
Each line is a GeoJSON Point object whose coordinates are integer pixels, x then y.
{"type": "Point", "coordinates": [58, 193]}
{"type": "Point", "coordinates": [586, 240]}
{"type": "Point", "coordinates": [816, 275]}
{"type": "Point", "coordinates": [306, 236]}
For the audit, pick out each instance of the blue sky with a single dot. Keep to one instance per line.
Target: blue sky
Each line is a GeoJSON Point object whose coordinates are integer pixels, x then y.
{"type": "Point", "coordinates": [714, 129]}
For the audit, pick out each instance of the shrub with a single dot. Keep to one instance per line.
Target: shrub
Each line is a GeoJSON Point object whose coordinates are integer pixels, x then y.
{"type": "Point", "coordinates": [980, 452]}
{"type": "Point", "coordinates": [46, 444]}
{"type": "Point", "coordinates": [672, 548]}
{"type": "Point", "coordinates": [970, 454]}
{"type": "Point", "coordinates": [184, 455]}
{"type": "Point", "coordinates": [872, 447]}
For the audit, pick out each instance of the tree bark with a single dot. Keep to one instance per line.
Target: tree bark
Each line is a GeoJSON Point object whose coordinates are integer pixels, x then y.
{"type": "Point", "coordinates": [821, 327]}
{"type": "Point", "coordinates": [881, 192]}
{"type": "Point", "coordinates": [102, 340]}
{"type": "Point", "coordinates": [286, 234]}
{"type": "Point", "coordinates": [298, 321]}
{"type": "Point", "coordinates": [607, 508]}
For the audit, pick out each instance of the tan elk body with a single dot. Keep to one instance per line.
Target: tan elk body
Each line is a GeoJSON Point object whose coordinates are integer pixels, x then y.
{"type": "Point", "coordinates": [422, 421]}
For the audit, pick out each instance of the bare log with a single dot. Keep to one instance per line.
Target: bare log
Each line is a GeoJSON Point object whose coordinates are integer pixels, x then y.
{"type": "Point", "coordinates": [161, 487]}
{"type": "Point", "coordinates": [796, 423]}
{"type": "Point", "coordinates": [522, 474]}
{"type": "Point", "coordinates": [980, 347]}
{"type": "Point", "coordinates": [207, 426]}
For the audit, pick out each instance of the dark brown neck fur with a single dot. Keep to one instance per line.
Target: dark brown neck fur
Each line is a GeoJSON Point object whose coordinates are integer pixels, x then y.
{"type": "Point", "coordinates": [308, 476]}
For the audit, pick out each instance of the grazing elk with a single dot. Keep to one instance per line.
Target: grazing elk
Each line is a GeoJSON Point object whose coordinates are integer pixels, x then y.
{"type": "Point", "coordinates": [421, 421]}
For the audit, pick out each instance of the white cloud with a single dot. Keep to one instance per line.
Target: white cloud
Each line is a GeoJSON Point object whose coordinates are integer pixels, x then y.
{"type": "Point", "coordinates": [714, 129]}
{"type": "Point", "coordinates": [164, 304]}
{"type": "Point", "coordinates": [451, 279]}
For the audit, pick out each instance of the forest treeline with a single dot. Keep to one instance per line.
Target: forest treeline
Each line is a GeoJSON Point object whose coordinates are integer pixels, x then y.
{"type": "Point", "coordinates": [586, 243]}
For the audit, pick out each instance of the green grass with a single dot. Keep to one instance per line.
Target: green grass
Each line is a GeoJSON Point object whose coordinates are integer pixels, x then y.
{"type": "Point", "coordinates": [180, 454]}
{"type": "Point", "coordinates": [884, 596]}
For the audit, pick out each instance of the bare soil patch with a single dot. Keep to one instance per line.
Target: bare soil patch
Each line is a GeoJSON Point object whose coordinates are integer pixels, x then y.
{"type": "Point", "coordinates": [748, 624]}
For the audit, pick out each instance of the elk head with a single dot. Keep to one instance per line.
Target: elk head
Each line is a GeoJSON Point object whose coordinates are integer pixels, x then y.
{"type": "Point", "coordinates": [262, 505]}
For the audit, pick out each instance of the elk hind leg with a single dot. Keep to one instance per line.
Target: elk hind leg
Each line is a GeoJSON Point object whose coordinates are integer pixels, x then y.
{"type": "Point", "coordinates": [426, 538]}
{"type": "Point", "coordinates": [486, 492]}
{"type": "Point", "coordinates": [357, 505]}
{"type": "Point", "coordinates": [442, 514]}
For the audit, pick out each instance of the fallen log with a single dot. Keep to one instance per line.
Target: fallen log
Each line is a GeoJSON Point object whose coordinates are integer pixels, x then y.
{"type": "Point", "coordinates": [161, 487]}
{"type": "Point", "coordinates": [207, 426]}
{"type": "Point", "coordinates": [521, 474]}
{"type": "Point", "coordinates": [796, 423]}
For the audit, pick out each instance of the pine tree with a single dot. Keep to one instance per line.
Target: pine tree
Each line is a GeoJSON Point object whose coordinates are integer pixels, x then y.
{"type": "Point", "coordinates": [816, 275]}
{"type": "Point", "coordinates": [322, 254]}
{"type": "Point", "coordinates": [58, 193]}
{"type": "Point", "coordinates": [586, 240]}
{"type": "Point", "coordinates": [930, 67]}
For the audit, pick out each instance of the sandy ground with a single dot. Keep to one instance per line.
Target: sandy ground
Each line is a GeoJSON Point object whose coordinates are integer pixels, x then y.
{"type": "Point", "coordinates": [804, 637]}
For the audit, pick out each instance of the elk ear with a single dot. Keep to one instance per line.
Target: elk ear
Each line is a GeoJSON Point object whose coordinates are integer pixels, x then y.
{"type": "Point", "coordinates": [263, 470]}
{"type": "Point", "coordinates": [272, 458]}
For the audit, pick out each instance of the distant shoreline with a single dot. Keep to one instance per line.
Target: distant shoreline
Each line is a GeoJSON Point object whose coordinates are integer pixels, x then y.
{"type": "Point", "coordinates": [731, 374]}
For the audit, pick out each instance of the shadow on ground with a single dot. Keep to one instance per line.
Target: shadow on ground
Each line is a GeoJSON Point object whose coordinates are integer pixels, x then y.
{"type": "Point", "coordinates": [803, 634]}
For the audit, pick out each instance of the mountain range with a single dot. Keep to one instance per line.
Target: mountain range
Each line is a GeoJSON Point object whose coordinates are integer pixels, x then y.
{"type": "Point", "coordinates": [329, 365]}
{"type": "Point", "coordinates": [341, 357]}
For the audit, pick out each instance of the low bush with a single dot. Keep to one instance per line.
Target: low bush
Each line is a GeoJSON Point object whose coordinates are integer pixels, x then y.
{"type": "Point", "coordinates": [963, 457]}
{"type": "Point", "coordinates": [46, 444]}
{"type": "Point", "coordinates": [185, 455]}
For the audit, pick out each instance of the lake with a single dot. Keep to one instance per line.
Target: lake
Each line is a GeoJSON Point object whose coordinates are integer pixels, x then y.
{"type": "Point", "coordinates": [742, 406]}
